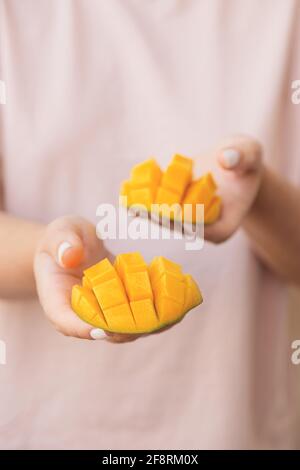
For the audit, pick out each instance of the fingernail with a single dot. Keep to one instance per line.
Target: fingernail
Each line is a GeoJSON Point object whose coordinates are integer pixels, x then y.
{"type": "Point", "coordinates": [63, 247]}
{"type": "Point", "coordinates": [231, 157]}
{"type": "Point", "coordinates": [98, 334]}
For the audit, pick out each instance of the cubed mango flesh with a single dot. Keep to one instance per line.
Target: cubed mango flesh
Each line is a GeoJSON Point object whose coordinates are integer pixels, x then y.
{"type": "Point", "coordinates": [172, 190]}
{"type": "Point", "coordinates": [132, 297]}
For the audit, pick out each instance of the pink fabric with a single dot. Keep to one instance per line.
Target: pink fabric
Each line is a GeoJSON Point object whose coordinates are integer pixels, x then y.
{"type": "Point", "coordinates": [94, 86]}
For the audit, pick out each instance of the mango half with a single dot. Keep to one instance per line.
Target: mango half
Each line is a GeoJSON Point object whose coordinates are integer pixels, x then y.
{"type": "Point", "coordinates": [172, 190]}
{"type": "Point", "coordinates": [131, 297]}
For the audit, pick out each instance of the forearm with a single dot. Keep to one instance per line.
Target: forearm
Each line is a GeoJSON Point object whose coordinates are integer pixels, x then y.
{"type": "Point", "coordinates": [18, 240]}
{"type": "Point", "coordinates": [273, 226]}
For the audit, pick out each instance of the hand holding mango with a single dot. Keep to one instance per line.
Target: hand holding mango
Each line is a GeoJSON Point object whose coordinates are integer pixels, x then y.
{"type": "Point", "coordinates": [240, 177]}
{"type": "Point", "coordinates": [128, 297]}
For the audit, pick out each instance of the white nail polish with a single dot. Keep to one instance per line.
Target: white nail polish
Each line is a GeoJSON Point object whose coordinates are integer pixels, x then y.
{"type": "Point", "coordinates": [63, 247]}
{"type": "Point", "coordinates": [231, 157]}
{"type": "Point", "coordinates": [98, 334]}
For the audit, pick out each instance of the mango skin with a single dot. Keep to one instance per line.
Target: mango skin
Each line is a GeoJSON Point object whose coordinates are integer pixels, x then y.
{"type": "Point", "coordinates": [172, 190]}
{"type": "Point", "coordinates": [162, 296]}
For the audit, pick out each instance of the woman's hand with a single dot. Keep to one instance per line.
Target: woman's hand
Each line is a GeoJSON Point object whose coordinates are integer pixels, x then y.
{"type": "Point", "coordinates": [241, 169]}
{"type": "Point", "coordinates": [68, 246]}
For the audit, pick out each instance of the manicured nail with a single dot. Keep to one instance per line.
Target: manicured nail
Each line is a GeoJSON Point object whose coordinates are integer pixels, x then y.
{"type": "Point", "coordinates": [98, 334]}
{"type": "Point", "coordinates": [231, 157]}
{"type": "Point", "coordinates": [63, 247]}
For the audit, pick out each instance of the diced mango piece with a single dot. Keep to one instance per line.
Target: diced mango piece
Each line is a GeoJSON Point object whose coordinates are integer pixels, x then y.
{"type": "Point", "coordinates": [102, 271]}
{"type": "Point", "coordinates": [129, 263]}
{"type": "Point", "coordinates": [125, 188]}
{"type": "Point", "coordinates": [160, 265]}
{"type": "Point", "coordinates": [168, 211]}
{"type": "Point", "coordinates": [170, 287]}
{"type": "Point", "coordinates": [165, 196]}
{"type": "Point", "coordinates": [213, 211]}
{"type": "Point", "coordinates": [141, 189]}
{"type": "Point", "coordinates": [176, 178]}
{"type": "Point", "coordinates": [193, 296]}
{"type": "Point", "coordinates": [193, 213]}
{"type": "Point", "coordinates": [168, 310]}
{"type": "Point", "coordinates": [138, 286]}
{"type": "Point", "coordinates": [174, 181]}
{"type": "Point", "coordinates": [131, 297]}
{"type": "Point", "coordinates": [146, 172]}
{"type": "Point", "coordinates": [210, 181]}
{"type": "Point", "coordinates": [133, 271]}
{"type": "Point", "coordinates": [142, 197]}
{"type": "Point", "coordinates": [120, 319]}
{"type": "Point", "coordinates": [125, 192]}
{"type": "Point", "coordinates": [191, 195]}
{"type": "Point", "coordinates": [137, 184]}
{"type": "Point", "coordinates": [110, 293]}
{"type": "Point", "coordinates": [200, 191]}
{"type": "Point", "coordinates": [85, 304]}
{"type": "Point", "coordinates": [86, 282]}
{"type": "Point", "coordinates": [144, 315]}
{"type": "Point", "coordinates": [168, 298]}
{"type": "Point", "coordinates": [185, 161]}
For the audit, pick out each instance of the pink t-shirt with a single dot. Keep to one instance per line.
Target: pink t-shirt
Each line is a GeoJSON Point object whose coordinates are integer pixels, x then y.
{"type": "Point", "coordinates": [94, 86]}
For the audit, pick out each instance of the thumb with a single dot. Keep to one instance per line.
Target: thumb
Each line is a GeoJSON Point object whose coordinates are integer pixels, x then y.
{"type": "Point", "coordinates": [64, 242]}
{"type": "Point", "coordinates": [240, 154]}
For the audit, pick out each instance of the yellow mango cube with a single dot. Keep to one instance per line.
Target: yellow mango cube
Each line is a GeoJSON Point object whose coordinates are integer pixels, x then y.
{"type": "Point", "coordinates": [143, 197]}
{"type": "Point", "coordinates": [125, 188]}
{"type": "Point", "coordinates": [212, 213]}
{"type": "Point", "coordinates": [138, 285]}
{"type": "Point", "coordinates": [185, 161]}
{"type": "Point", "coordinates": [129, 263]}
{"type": "Point", "coordinates": [210, 181]}
{"type": "Point", "coordinates": [160, 265]}
{"type": "Point", "coordinates": [144, 315]}
{"type": "Point", "coordinates": [168, 310]}
{"type": "Point", "coordinates": [200, 192]}
{"type": "Point", "coordinates": [85, 304]}
{"type": "Point", "coordinates": [102, 271]}
{"type": "Point", "coordinates": [165, 196]}
{"type": "Point", "coordinates": [120, 319]}
{"type": "Point", "coordinates": [193, 296]}
{"type": "Point", "coordinates": [170, 287]}
{"type": "Point", "coordinates": [176, 178]}
{"type": "Point", "coordinates": [86, 282]}
{"type": "Point", "coordinates": [146, 173]}
{"type": "Point", "coordinates": [110, 293]}
{"type": "Point", "coordinates": [125, 193]}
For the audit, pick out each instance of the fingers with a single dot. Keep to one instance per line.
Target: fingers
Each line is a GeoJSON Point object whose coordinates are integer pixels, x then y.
{"type": "Point", "coordinates": [119, 338]}
{"type": "Point", "coordinates": [54, 289]}
{"type": "Point", "coordinates": [64, 242]}
{"type": "Point", "coordinates": [240, 154]}
{"type": "Point", "coordinates": [241, 159]}
{"type": "Point", "coordinates": [69, 253]}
